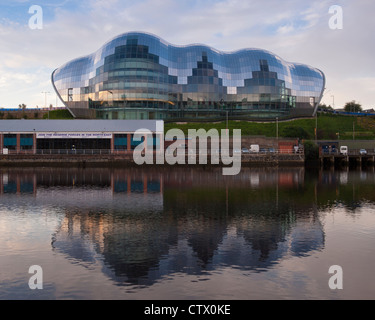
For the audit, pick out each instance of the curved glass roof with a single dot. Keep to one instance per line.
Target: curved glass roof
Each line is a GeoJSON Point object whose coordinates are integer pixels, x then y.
{"type": "Point", "coordinates": [138, 66]}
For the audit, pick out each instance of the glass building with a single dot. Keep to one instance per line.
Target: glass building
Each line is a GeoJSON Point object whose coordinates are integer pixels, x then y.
{"type": "Point", "coordinates": [140, 76]}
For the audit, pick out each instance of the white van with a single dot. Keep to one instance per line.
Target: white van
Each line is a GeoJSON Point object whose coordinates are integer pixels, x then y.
{"type": "Point", "coordinates": [254, 148]}
{"type": "Point", "coordinates": [344, 150]}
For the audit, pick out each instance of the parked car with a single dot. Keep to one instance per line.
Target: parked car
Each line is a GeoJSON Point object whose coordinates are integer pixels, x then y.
{"type": "Point", "coordinates": [263, 150]}
{"type": "Point", "coordinates": [344, 150]}
{"type": "Point", "coordinates": [271, 150]}
{"type": "Point", "coordinates": [245, 150]}
{"type": "Point", "coordinates": [254, 148]}
{"type": "Point", "coordinates": [362, 152]}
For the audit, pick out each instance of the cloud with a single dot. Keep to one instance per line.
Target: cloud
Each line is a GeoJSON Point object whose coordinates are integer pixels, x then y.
{"type": "Point", "coordinates": [297, 31]}
{"type": "Point", "coordinates": [285, 29]}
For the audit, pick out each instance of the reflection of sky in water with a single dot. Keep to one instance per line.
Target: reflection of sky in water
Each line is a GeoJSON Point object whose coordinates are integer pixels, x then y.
{"type": "Point", "coordinates": [139, 234]}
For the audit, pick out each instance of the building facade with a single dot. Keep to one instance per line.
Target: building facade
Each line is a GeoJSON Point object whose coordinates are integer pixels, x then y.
{"type": "Point", "coordinates": [78, 136]}
{"type": "Point", "coordinates": [140, 76]}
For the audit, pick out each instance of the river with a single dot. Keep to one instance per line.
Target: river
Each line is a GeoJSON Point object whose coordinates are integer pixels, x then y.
{"type": "Point", "coordinates": [186, 233]}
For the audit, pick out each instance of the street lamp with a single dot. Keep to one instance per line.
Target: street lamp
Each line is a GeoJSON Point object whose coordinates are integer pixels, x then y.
{"type": "Point", "coordinates": [353, 130]}
{"type": "Point", "coordinates": [277, 128]}
{"type": "Point", "coordinates": [45, 100]}
{"type": "Point", "coordinates": [227, 123]}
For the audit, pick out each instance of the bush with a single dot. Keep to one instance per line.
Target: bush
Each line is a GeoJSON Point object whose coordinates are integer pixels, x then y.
{"type": "Point", "coordinates": [311, 151]}
{"type": "Point", "coordinates": [58, 114]}
{"type": "Point", "coordinates": [294, 132]}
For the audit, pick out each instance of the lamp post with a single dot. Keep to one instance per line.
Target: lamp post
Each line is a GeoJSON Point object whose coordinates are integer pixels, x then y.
{"type": "Point", "coordinates": [45, 101]}
{"type": "Point", "coordinates": [227, 123]}
{"type": "Point", "coordinates": [353, 130]}
{"type": "Point", "coordinates": [277, 128]}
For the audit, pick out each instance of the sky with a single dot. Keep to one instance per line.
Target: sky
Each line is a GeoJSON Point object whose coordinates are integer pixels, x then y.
{"type": "Point", "coordinates": [296, 30]}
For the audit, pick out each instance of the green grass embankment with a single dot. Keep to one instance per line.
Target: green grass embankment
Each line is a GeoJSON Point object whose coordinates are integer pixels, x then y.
{"type": "Point", "coordinates": [330, 127]}
{"type": "Point", "coordinates": [58, 115]}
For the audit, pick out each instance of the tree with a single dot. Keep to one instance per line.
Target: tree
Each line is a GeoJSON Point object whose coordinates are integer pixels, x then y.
{"type": "Point", "coordinates": [22, 106]}
{"type": "Point", "coordinates": [324, 107]}
{"type": "Point", "coordinates": [352, 107]}
{"type": "Point", "coordinates": [294, 132]}
{"type": "Point", "coordinates": [311, 151]}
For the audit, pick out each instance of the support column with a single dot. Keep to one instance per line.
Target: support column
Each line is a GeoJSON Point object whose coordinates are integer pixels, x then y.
{"type": "Point", "coordinates": [34, 143]}
{"type": "Point", "coordinates": [145, 184]}
{"type": "Point", "coordinates": [161, 185]}
{"type": "Point", "coordinates": [18, 147]}
{"type": "Point", "coordinates": [112, 183]}
{"type": "Point", "coordinates": [113, 144]}
{"type": "Point", "coordinates": [18, 182]}
{"type": "Point", "coordinates": [129, 142]}
{"type": "Point", "coordinates": [35, 185]}
{"type": "Point", "coordinates": [1, 143]}
{"type": "Point", "coordinates": [129, 184]}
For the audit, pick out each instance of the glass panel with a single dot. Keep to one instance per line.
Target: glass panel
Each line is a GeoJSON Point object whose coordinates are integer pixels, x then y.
{"type": "Point", "coordinates": [143, 68]}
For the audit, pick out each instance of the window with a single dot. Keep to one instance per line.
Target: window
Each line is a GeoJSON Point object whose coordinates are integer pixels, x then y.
{"type": "Point", "coordinates": [134, 143]}
{"type": "Point", "coordinates": [26, 141]}
{"type": "Point", "coordinates": [70, 94]}
{"type": "Point", "coordinates": [121, 141]}
{"type": "Point", "coordinates": [10, 141]}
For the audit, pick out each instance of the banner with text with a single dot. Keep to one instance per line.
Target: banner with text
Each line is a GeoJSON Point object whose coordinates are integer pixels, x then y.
{"type": "Point", "coordinates": [74, 135]}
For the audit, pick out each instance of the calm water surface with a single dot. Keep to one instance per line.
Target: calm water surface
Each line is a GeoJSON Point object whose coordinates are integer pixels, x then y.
{"type": "Point", "coordinates": [181, 233]}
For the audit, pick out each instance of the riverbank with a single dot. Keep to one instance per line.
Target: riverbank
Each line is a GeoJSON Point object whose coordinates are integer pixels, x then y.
{"type": "Point", "coordinates": [126, 160]}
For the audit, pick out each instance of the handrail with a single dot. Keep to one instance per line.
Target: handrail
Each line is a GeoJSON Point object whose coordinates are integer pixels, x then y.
{"type": "Point", "coordinates": [351, 152]}
{"type": "Point", "coordinates": [130, 152]}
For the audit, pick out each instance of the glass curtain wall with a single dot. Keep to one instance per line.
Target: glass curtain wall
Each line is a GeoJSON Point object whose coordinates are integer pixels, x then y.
{"type": "Point", "coordinates": [140, 76]}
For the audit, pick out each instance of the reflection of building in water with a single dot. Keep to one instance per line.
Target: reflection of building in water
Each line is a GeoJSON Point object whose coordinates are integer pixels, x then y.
{"type": "Point", "coordinates": [135, 248]}
{"type": "Point", "coordinates": [126, 245]}
{"type": "Point", "coordinates": [249, 177]}
{"type": "Point", "coordinates": [105, 213]}
{"type": "Point", "coordinates": [140, 225]}
{"type": "Point", "coordinates": [15, 183]}
{"type": "Point", "coordinates": [87, 188]}
{"type": "Point", "coordinates": [140, 180]}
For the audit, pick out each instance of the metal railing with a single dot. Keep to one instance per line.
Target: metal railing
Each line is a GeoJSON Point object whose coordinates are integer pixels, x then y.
{"type": "Point", "coordinates": [66, 152]}
{"type": "Point", "coordinates": [243, 152]}
{"type": "Point", "coordinates": [351, 152]}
